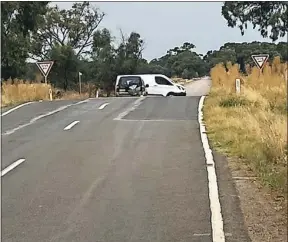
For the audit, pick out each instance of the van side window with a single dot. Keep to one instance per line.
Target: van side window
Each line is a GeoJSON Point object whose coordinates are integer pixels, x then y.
{"type": "Point", "coordinates": [162, 81]}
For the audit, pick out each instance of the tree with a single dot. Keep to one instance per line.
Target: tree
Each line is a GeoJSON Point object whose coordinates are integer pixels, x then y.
{"type": "Point", "coordinates": [72, 27]}
{"type": "Point", "coordinates": [110, 60]}
{"type": "Point", "coordinates": [241, 53]}
{"type": "Point", "coordinates": [272, 14]}
{"type": "Point", "coordinates": [65, 69]}
{"type": "Point", "coordinates": [129, 53]}
{"type": "Point", "coordinates": [182, 62]}
{"type": "Point", "coordinates": [19, 21]}
{"type": "Point", "coordinates": [104, 59]}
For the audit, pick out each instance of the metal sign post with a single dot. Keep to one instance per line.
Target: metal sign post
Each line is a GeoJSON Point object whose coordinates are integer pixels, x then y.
{"type": "Point", "coordinates": [260, 60]}
{"type": "Point", "coordinates": [45, 67]}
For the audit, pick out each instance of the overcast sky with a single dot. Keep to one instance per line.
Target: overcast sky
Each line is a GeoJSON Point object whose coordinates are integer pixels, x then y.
{"type": "Point", "coordinates": [164, 25]}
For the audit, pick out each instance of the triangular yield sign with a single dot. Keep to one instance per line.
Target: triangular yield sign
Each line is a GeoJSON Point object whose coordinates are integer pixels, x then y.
{"type": "Point", "coordinates": [45, 67]}
{"type": "Point", "coordinates": [260, 60]}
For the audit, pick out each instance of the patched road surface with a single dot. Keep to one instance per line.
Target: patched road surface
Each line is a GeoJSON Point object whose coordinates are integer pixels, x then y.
{"type": "Point", "coordinates": [132, 170]}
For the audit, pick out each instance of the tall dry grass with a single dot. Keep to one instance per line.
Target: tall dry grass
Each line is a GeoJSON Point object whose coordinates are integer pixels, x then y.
{"type": "Point", "coordinates": [252, 125]}
{"type": "Point", "coordinates": [19, 91]}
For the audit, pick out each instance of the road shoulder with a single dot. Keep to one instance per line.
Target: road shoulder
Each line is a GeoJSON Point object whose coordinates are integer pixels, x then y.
{"type": "Point", "coordinates": [234, 225]}
{"type": "Point", "coordinates": [259, 204]}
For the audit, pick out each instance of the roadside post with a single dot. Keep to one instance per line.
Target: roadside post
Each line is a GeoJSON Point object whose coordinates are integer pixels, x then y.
{"type": "Point", "coordinates": [238, 85]}
{"type": "Point", "coordinates": [80, 74]}
{"type": "Point", "coordinates": [260, 60]}
{"type": "Point", "coordinates": [50, 94]}
{"type": "Point", "coordinates": [45, 67]}
{"type": "Point", "coordinates": [79, 77]}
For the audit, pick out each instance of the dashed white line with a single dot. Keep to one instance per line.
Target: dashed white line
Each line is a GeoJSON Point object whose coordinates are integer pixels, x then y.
{"type": "Point", "coordinates": [71, 125]}
{"type": "Point", "coordinates": [11, 131]}
{"type": "Point", "coordinates": [103, 106]}
{"type": "Point", "coordinates": [12, 166]}
{"type": "Point", "coordinates": [15, 108]}
{"type": "Point", "coordinates": [215, 207]}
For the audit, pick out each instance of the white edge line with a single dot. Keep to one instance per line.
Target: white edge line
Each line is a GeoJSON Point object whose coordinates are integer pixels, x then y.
{"type": "Point", "coordinates": [42, 116]}
{"type": "Point", "coordinates": [12, 166]}
{"type": "Point", "coordinates": [215, 207]}
{"type": "Point", "coordinates": [103, 106]}
{"type": "Point", "coordinates": [15, 108]}
{"type": "Point", "coordinates": [71, 125]}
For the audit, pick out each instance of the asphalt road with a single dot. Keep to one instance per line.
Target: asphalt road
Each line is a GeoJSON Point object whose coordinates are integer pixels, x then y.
{"type": "Point", "coordinates": [130, 170]}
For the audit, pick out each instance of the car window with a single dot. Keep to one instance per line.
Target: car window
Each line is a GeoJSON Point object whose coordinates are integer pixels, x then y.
{"type": "Point", "coordinates": [162, 81]}
{"type": "Point", "coordinates": [127, 81]}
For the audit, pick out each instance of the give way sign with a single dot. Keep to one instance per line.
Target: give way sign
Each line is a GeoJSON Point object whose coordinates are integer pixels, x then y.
{"type": "Point", "coordinates": [260, 60]}
{"type": "Point", "coordinates": [45, 67]}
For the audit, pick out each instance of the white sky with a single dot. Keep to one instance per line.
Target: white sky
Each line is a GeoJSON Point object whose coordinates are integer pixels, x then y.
{"type": "Point", "coordinates": [164, 25]}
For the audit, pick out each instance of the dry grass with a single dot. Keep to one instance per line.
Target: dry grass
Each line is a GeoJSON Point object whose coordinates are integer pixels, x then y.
{"type": "Point", "coordinates": [71, 95]}
{"type": "Point", "coordinates": [19, 91]}
{"type": "Point", "coordinates": [253, 125]}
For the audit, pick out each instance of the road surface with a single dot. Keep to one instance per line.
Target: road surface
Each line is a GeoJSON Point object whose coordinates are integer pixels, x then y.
{"type": "Point", "coordinates": [115, 169]}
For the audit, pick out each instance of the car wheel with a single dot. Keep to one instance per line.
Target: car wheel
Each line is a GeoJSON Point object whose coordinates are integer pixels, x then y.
{"type": "Point", "coordinates": [170, 94]}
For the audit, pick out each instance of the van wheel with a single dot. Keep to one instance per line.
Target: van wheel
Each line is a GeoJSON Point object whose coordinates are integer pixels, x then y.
{"type": "Point", "coordinates": [170, 94]}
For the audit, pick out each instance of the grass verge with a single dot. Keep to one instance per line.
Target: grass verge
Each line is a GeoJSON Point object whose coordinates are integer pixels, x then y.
{"type": "Point", "coordinates": [15, 92]}
{"type": "Point", "coordinates": [19, 91]}
{"type": "Point", "coordinates": [251, 126]}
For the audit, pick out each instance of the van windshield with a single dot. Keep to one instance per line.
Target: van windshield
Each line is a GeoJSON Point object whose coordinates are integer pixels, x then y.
{"type": "Point", "coordinates": [127, 81]}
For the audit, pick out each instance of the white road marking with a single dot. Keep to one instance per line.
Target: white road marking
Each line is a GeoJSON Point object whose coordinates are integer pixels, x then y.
{"type": "Point", "coordinates": [135, 105]}
{"type": "Point", "coordinates": [103, 106]}
{"type": "Point", "coordinates": [215, 207]}
{"type": "Point", "coordinates": [11, 131]}
{"type": "Point", "coordinates": [71, 125]}
{"type": "Point", "coordinates": [12, 166]}
{"type": "Point", "coordinates": [15, 108]}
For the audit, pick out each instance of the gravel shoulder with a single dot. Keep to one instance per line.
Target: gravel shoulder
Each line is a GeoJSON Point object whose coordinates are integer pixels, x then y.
{"type": "Point", "coordinates": [265, 212]}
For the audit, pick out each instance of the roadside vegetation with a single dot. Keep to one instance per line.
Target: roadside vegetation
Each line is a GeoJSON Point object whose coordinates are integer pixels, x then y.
{"type": "Point", "coordinates": [73, 39]}
{"type": "Point", "coordinates": [252, 125]}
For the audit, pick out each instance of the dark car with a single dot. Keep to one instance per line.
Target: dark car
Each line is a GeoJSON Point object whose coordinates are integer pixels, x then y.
{"type": "Point", "coordinates": [130, 86]}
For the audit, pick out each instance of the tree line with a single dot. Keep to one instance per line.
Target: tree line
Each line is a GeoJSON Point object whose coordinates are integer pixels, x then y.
{"type": "Point", "coordinates": [73, 39]}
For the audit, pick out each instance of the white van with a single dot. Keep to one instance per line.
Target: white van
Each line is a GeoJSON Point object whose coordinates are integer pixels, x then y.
{"type": "Point", "coordinates": [157, 84]}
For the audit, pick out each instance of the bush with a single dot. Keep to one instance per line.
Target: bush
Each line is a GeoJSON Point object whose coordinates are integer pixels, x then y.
{"type": "Point", "coordinates": [233, 101]}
